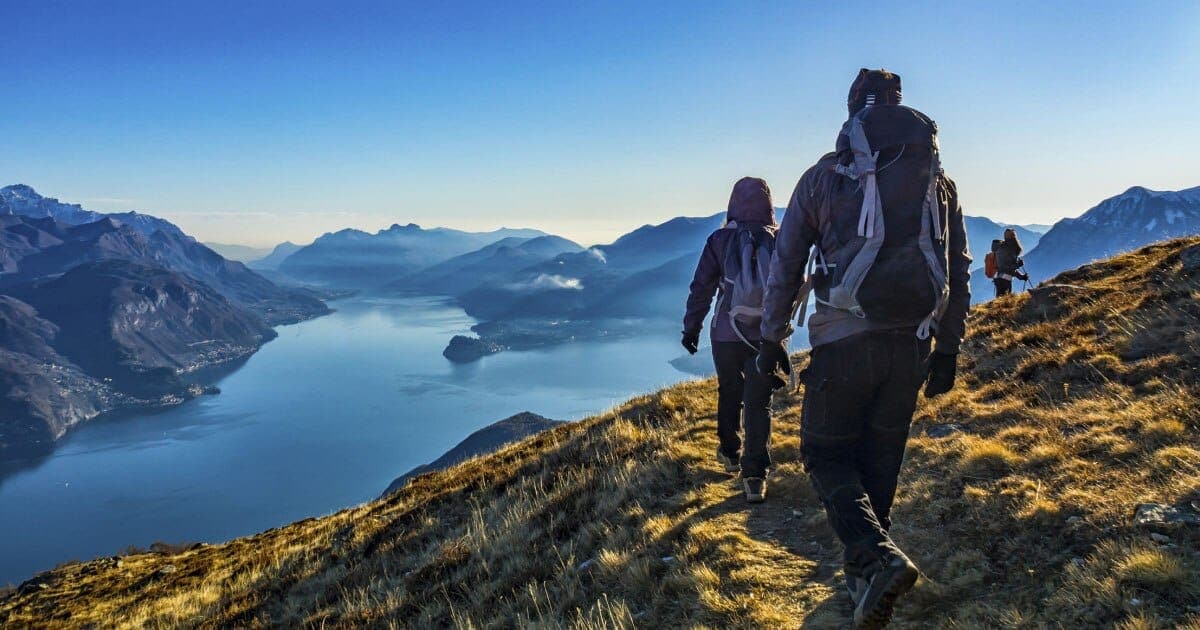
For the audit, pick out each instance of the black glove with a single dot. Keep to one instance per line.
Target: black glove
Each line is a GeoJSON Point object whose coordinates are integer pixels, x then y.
{"type": "Point", "coordinates": [942, 370]}
{"type": "Point", "coordinates": [691, 341]}
{"type": "Point", "coordinates": [1022, 276]}
{"type": "Point", "coordinates": [773, 359]}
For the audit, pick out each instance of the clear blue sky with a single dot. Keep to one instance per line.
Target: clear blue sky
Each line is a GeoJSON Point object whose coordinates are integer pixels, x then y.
{"type": "Point", "coordinates": [254, 122]}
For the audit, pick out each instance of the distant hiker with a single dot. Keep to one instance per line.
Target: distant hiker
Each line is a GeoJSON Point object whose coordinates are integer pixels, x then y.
{"type": "Point", "coordinates": [889, 268]}
{"type": "Point", "coordinates": [735, 262]}
{"type": "Point", "coordinates": [1005, 262]}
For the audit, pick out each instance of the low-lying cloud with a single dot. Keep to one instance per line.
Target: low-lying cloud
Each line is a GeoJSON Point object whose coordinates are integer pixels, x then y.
{"type": "Point", "coordinates": [551, 281]}
{"type": "Point", "coordinates": [598, 254]}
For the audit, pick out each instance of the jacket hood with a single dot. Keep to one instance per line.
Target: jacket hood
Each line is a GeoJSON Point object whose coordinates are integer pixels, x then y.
{"type": "Point", "coordinates": [751, 201]}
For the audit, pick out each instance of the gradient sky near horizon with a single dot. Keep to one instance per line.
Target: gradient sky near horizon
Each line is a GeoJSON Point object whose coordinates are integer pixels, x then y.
{"type": "Point", "coordinates": [256, 122]}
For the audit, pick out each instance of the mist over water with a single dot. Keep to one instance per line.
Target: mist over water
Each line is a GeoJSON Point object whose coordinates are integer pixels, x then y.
{"type": "Point", "coordinates": [324, 417]}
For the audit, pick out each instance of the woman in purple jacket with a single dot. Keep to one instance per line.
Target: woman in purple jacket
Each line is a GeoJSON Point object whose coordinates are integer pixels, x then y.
{"type": "Point", "coordinates": [740, 385]}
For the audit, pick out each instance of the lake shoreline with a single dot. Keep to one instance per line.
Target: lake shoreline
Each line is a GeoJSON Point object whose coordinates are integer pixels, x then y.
{"type": "Point", "coordinates": [321, 418]}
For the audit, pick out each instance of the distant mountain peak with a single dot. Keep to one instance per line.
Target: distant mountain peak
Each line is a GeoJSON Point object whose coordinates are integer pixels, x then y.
{"type": "Point", "coordinates": [21, 190]}
{"type": "Point", "coordinates": [1134, 218]}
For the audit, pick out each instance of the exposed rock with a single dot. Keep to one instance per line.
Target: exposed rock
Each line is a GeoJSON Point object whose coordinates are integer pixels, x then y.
{"type": "Point", "coordinates": [944, 430]}
{"type": "Point", "coordinates": [1160, 514]}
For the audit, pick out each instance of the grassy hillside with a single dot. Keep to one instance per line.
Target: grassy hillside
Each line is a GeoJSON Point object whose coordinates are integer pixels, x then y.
{"type": "Point", "coordinates": [1075, 406]}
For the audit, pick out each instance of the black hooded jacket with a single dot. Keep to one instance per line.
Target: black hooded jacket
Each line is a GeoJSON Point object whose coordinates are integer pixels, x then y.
{"type": "Point", "coordinates": [749, 204]}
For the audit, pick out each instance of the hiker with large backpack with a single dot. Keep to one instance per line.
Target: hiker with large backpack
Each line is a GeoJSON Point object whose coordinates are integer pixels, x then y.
{"type": "Point", "coordinates": [734, 265]}
{"type": "Point", "coordinates": [1004, 262]}
{"type": "Point", "coordinates": [889, 272]}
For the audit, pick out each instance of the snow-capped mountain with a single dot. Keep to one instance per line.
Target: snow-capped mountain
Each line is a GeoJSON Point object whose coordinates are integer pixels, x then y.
{"type": "Point", "coordinates": [23, 200]}
{"type": "Point", "coordinates": [1134, 218]}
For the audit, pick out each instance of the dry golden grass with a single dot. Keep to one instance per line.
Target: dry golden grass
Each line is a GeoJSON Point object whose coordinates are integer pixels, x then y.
{"type": "Point", "coordinates": [1075, 408]}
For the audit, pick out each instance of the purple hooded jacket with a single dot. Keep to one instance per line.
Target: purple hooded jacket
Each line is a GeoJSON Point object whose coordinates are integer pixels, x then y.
{"type": "Point", "coordinates": [750, 203]}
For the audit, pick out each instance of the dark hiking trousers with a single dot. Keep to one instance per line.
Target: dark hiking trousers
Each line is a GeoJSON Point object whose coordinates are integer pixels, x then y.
{"type": "Point", "coordinates": [1003, 287]}
{"type": "Point", "coordinates": [859, 397]}
{"type": "Point", "coordinates": [740, 386]}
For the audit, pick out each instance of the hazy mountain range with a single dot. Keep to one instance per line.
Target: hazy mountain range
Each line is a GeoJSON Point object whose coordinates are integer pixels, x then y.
{"type": "Point", "coordinates": [240, 253]}
{"type": "Point", "coordinates": [354, 258]}
{"type": "Point", "coordinates": [526, 287]}
{"type": "Point", "coordinates": [272, 260]}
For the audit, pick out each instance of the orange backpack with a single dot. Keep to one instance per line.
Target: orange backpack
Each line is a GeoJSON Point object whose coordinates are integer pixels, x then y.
{"type": "Point", "coordinates": [989, 265]}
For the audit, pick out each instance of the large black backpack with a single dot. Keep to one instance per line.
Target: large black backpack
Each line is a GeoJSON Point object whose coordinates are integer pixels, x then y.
{"type": "Point", "coordinates": [882, 214]}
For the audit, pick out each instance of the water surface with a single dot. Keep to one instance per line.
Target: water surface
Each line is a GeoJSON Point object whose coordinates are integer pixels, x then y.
{"type": "Point", "coordinates": [321, 418]}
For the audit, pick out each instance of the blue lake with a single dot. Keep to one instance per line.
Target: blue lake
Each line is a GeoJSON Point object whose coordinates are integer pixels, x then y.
{"type": "Point", "coordinates": [321, 418]}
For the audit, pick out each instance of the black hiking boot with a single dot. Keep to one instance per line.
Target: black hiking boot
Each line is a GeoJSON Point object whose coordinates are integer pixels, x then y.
{"type": "Point", "coordinates": [874, 609]}
{"type": "Point", "coordinates": [730, 463]}
{"type": "Point", "coordinates": [756, 489]}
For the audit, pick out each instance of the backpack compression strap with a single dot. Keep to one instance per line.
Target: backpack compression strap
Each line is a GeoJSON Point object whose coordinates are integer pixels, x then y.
{"type": "Point", "coordinates": [934, 232]}
{"type": "Point", "coordinates": [863, 170]}
{"type": "Point", "coordinates": [844, 296]}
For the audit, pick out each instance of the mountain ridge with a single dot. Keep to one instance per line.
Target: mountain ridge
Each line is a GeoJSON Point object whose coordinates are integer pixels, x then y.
{"type": "Point", "coordinates": [1134, 218]}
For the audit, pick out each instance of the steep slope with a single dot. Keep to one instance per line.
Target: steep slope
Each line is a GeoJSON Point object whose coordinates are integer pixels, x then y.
{"type": "Point", "coordinates": [120, 319]}
{"type": "Point", "coordinates": [1075, 404]}
{"type": "Point", "coordinates": [44, 393]}
{"type": "Point", "coordinates": [274, 303]}
{"type": "Point", "coordinates": [109, 334]}
{"type": "Point", "coordinates": [1137, 217]}
{"type": "Point", "coordinates": [34, 248]}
